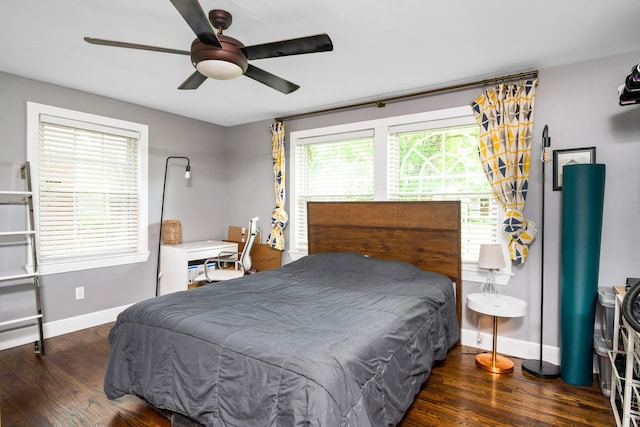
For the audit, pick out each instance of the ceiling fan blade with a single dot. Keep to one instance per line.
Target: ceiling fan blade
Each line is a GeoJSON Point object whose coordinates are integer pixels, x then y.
{"type": "Point", "coordinates": [273, 81]}
{"type": "Point", "coordinates": [114, 43]}
{"type": "Point", "coordinates": [309, 44]}
{"type": "Point", "coordinates": [193, 81]}
{"type": "Point", "coordinates": [192, 12]}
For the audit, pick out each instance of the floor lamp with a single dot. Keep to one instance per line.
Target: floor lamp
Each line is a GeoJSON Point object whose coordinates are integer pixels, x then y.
{"type": "Point", "coordinates": [540, 368]}
{"type": "Point", "coordinates": [187, 175]}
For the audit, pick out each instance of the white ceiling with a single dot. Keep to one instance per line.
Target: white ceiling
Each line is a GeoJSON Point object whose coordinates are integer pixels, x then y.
{"type": "Point", "coordinates": [380, 49]}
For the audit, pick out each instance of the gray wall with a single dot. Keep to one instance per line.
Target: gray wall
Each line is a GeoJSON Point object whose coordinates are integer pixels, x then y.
{"type": "Point", "coordinates": [250, 175]}
{"type": "Point", "coordinates": [233, 180]}
{"type": "Point", "coordinates": [579, 104]}
{"type": "Point", "coordinates": [200, 204]}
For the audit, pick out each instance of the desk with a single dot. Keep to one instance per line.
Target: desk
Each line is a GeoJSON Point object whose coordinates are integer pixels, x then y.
{"type": "Point", "coordinates": [496, 306]}
{"type": "Point", "coordinates": [263, 257]}
{"type": "Point", "coordinates": [174, 261]}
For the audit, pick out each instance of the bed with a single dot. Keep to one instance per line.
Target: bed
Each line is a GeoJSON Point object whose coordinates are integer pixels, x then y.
{"type": "Point", "coordinates": [345, 336]}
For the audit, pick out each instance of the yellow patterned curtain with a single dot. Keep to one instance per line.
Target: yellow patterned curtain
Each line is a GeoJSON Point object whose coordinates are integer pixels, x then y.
{"type": "Point", "coordinates": [279, 217]}
{"type": "Point", "coordinates": [505, 116]}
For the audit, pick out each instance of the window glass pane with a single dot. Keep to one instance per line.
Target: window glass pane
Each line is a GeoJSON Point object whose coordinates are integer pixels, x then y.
{"type": "Point", "coordinates": [88, 193]}
{"type": "Point", "coordinates": [442, 164]}
{"type": "Point", "coordinates": [340, 168]}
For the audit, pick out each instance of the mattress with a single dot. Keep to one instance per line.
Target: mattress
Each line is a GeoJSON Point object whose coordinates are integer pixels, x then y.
{"type": "Point", "coordinates": [336, 339]}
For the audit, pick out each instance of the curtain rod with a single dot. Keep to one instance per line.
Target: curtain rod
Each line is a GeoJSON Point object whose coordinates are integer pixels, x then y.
{"type": "Point", "coordinates": [382, 102]}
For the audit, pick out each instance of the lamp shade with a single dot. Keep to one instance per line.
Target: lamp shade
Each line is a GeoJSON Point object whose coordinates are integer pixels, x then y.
{"type": "Point", "coordinates": [491, 256]}
{"type": "Point", "coordinates": [219, 70]}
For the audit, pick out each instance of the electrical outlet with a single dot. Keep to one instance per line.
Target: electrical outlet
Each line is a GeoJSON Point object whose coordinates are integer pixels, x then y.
{"type": "Point", "coordinates": [80, 292]}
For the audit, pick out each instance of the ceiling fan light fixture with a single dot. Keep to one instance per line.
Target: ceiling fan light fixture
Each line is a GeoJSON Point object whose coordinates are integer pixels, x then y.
{"type": "Point", "coordinates": [219, 69]}
{"type": "Point", "coordinates": [225, 63]}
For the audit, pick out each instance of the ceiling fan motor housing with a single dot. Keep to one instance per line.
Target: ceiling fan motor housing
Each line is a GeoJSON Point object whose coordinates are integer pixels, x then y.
{"type": "Point", "coordinates": [230, 52]}
{"type": "Point", "coordinates": [220, 19]}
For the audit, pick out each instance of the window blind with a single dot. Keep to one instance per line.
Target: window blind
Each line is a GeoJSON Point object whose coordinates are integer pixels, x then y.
{"type": "Point", "coordinates": [334, 168]}
{"type": "Point", "coordinates": [89, 186]}
{"type": "Point", "coordinates": [442, 164]}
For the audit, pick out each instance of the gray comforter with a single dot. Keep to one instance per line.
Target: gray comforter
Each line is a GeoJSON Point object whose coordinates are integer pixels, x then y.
{"type": "Point", "coordinates": [329, 340]}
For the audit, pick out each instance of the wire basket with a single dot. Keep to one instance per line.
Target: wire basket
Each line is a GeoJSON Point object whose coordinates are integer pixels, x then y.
{"type": "Point", "coordinates": [171, 232]}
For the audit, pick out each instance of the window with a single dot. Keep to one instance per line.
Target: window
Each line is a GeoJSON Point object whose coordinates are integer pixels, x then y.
{"type": "Point", "coordinates": [427, 156]}
{"type": "Point", "coordinates": [90, 189]}
{"type": "Point", "coordinates": [332, 168]}
{"type": "Point", "coordinates": [442, 164]}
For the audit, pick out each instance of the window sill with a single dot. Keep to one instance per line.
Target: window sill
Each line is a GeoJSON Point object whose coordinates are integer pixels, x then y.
{"type": "Point", "coordinates": [88, 264]}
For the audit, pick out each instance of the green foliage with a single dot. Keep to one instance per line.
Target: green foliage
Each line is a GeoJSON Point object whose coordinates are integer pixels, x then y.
{"type": "Point", "coordinates": [342, 168]}
{"type": "Point", "coordinates": [440, 161]}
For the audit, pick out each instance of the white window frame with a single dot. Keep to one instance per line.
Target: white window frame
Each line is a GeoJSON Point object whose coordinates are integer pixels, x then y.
{"type": "Point", "coordinates": [34, 112]}
{"type": "Point", "coordinates": [381, 128]}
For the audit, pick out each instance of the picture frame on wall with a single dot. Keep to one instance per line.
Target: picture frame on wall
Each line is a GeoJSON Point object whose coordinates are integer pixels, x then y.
{"type": "Point", "coordinates": [565, 157]}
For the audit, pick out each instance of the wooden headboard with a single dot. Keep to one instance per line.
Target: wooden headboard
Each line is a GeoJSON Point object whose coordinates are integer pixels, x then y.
{"type": "Point", "coordinates": [425, 234]}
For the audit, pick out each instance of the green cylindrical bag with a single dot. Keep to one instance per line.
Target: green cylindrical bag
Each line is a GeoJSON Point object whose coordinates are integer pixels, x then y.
{"type": "Point", "coordinates": [582, 207]}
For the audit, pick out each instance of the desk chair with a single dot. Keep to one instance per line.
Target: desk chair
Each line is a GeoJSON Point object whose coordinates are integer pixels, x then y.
{"type": "Point", "coordinates": [241, 260]}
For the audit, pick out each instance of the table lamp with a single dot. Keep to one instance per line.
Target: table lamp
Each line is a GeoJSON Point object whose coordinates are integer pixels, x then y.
{"type": "Point", "coordinates": [491, 259]}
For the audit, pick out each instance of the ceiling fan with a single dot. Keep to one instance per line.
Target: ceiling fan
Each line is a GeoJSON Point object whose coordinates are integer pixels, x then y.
{"type": "Point", "coordinates": [222, 57]}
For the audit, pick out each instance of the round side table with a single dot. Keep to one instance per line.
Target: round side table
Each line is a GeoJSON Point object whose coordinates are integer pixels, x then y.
{"type": "Point", "coordinates": [496, 306]}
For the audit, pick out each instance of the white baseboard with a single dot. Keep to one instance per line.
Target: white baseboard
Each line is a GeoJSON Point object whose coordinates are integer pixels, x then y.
{"type": "Point", "coordinates": [511, 347]}
{"type": "Point", "coordinates": [29, 334]}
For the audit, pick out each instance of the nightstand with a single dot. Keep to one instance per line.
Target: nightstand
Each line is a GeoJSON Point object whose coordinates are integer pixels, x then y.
{"type": "Point", "coordinates": [496, 306]}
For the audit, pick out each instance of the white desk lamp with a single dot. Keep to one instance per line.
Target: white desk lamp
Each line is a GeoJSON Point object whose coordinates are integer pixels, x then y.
{"type": "Point", "coordinates": [491, 259]}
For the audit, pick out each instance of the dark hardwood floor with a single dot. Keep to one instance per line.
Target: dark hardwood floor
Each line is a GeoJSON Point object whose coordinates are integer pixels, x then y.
{"type": "Point", "coordinates": [64, 388]}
